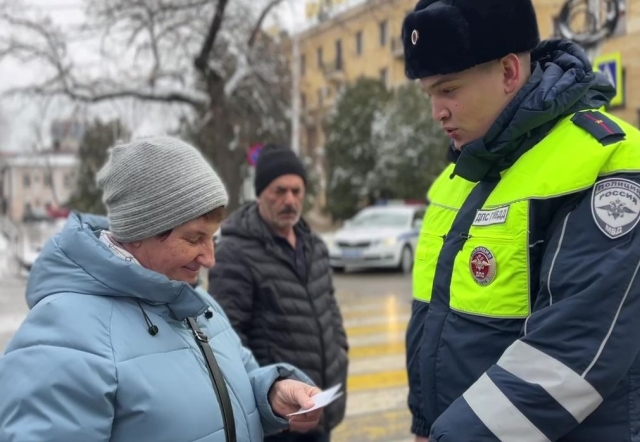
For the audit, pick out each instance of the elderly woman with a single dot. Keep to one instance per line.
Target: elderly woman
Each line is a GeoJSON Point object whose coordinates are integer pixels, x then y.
{"type": "Point", "coordinates": [120, 343]}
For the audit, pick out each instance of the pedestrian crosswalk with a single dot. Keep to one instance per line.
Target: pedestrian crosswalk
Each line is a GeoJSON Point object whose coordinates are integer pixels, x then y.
{"type": "Point", "coordinates": [377, 384]}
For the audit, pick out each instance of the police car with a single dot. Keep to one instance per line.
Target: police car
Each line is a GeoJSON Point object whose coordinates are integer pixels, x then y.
{"type": "Point", "coordinates": [378, 237]}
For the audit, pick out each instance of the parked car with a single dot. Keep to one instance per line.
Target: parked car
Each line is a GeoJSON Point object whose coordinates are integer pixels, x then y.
{"type": "Point", "coordinates": [378, 237]}
{"type": "Point", "coordinates": [33, 235]}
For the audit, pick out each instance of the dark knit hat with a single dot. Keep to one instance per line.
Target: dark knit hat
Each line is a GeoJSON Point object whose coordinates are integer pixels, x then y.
{"type": "Point", "coordinates": [275, 161]}
{"type": "Point", "coordinates": [448, 36]}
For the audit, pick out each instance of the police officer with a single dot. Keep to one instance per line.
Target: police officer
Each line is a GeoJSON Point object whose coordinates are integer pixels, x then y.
{"type": "Point", "coordinates": [526, 317]}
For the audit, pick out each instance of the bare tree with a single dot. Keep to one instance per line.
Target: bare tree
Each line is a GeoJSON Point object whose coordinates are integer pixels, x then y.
{"type": "Point", "coordinates": [211, 58]}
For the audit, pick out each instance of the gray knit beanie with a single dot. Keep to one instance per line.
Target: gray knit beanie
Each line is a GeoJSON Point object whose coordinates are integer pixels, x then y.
{"type": "Point", "coordinates": [152, 185]}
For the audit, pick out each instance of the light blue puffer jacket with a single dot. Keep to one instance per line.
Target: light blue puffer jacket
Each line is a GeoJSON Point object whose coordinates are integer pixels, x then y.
{"type": "Point", "coordinates": [83, 366]}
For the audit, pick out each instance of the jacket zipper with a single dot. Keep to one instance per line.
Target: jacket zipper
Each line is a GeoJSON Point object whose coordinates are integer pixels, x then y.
{"type": "Point", "coordinates": [305, 282]}
{"type": "Point", "coordinates": [317, 319]}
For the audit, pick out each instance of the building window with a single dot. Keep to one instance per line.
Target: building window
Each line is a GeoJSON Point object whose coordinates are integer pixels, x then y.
{"type": "Point", "coordinates": [384, 76]}
{"type": "Point", "coordinates": [383, 33]}
{"type": "Point", "coordinates": [359, 43]}
{"type": "Point", "coordinates": [320, 97]}
{"type": "Point", "coordinates": [26, 180]}
{"type": "Point", "coordinates": [339, 55]}
{"type": "Point", "coordinates": [319, 53]}
{"type": "Point", "coordinates": [27, 208]}
{"type": "Point", "coordinates": [303, 64]}
{"type": "Point", "coordinates": [47, 179]}
{"type": "Point", "coordinates": [303, 101]}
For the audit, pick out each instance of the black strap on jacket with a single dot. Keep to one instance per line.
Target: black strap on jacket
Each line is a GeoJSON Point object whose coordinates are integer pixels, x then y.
{"type": "Point", "coordinates": [217, 379]}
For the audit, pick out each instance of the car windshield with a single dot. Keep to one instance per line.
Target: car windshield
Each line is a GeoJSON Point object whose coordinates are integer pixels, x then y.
{"type": "Point", "coordinates": [381, 219]}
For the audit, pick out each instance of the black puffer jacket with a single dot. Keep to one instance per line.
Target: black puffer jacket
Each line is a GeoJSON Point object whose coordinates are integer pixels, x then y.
{"type": "Point", "coordinates": [276, 314]}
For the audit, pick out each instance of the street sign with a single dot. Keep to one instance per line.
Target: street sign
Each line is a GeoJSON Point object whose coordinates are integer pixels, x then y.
{"type": "Point", "coordinates": [611, 66]}
{"type": "Point", "coordinates": [254, 153]}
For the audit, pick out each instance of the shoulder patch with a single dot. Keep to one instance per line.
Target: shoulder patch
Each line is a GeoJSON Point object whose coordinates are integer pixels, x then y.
{"type": "Point", "coordinates": [601, 127]}
{"type": "Point", "coordinates": [615, 205]}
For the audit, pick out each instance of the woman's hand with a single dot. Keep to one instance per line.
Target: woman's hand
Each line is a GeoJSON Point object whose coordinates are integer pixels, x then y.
{"type": "Point", "coordinates": [288, 396]}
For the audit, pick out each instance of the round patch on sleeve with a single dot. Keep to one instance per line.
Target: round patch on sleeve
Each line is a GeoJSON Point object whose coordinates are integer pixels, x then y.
{"type": "Point", "coordinates": [615, 206]}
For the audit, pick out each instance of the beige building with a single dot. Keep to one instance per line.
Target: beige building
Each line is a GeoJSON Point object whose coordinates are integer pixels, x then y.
{"type": "Point", "coordinates": [32, 183]}
{"type": "Point", "coordinates": [346, 39]}
{"type": "Point", "coordinates": [626, 44]}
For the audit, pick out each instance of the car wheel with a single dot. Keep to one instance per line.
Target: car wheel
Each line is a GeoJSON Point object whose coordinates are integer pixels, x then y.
{"type": "Point", "coordinates": [406, 260]}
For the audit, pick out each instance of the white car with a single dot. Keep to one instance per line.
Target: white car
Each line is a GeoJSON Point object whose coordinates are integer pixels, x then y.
{"type": "Point", "coordinates": [33, 237]}
{"type": "Point", "coordinates": [378, 237]}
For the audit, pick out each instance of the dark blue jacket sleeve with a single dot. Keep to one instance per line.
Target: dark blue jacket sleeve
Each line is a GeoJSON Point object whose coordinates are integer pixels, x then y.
{"type": "Point", "coordinates": [419, 424]}
{"type": "Point", "coordinates": [581, 339]}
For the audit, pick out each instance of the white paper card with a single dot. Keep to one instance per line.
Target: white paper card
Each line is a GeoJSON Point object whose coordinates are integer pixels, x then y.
{"type": "Point", "coordinates": [322, 399]}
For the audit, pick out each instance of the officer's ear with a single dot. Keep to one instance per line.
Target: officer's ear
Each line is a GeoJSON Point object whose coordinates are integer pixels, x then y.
{"type": "Point", "coordinates": [515, 71]}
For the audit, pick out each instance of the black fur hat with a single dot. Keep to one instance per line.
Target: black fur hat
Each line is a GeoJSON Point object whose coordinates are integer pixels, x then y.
{"type": "Point", "coordinates": [448, 36]}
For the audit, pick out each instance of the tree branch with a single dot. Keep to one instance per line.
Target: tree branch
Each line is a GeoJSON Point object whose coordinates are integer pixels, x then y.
{"type": "Point", "coordinates": [241, 72]}
{"type": "Point", "coordinates": [216, 24]}
{"type": "Point", "coordinates": [87, 97]}
{"type": "Point", "coordinates": [256, 29]}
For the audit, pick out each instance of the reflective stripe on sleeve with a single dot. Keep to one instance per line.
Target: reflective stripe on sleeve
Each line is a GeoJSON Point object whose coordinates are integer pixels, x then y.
{"type": "Point", "coordinates": [499, 415]}
{"type": "Point", "coordinates": [567, 387]}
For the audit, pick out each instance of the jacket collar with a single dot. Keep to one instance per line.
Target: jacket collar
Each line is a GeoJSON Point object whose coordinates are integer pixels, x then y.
{"type": "Point", "coordinates": [562, 83]}
{"type": "Point", "coordinates": [77, 261]}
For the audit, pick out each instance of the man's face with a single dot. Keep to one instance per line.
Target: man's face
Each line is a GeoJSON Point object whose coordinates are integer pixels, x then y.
{"type": "Point", "coordinates": [467, 103]}
{"type": "Point", "coordinates": [280, 203]}
{"type": "Point", "coordinates": [182, 254]}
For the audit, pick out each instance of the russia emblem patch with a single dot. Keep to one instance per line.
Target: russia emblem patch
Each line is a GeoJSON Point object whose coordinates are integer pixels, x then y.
{"type": "Point", "coordinates": [615, 206]}
{"type": "Point", "coordinates": [482, 265]}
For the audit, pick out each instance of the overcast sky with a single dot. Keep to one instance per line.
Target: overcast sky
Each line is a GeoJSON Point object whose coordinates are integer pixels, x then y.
{"type": "Point", "coordinates": [28, 119]}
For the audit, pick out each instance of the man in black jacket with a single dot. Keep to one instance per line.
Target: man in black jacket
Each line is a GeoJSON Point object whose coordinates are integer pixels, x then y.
{"type": "Point", "coordinates": [273, 279]}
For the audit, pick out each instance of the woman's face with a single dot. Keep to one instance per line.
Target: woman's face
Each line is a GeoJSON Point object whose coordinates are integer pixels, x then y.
{"type": "Point", "coordinates": [180, 255]}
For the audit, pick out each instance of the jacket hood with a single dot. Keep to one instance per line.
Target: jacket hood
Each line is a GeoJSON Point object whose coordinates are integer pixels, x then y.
{"type": "Point", "coordinates": [562, 83]}
{"type": "Point", "coordinates": [246, 222]}
{"type": "Point", "coordinates": [76, 261]}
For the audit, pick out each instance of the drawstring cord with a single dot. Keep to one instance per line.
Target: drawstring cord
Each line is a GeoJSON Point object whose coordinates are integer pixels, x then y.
{"type": "Point", "coordinates": [153, 329]}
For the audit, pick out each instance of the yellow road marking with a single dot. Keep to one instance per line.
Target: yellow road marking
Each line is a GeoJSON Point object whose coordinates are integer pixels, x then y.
{"type": "Point", "coordinates": [392, 327]}
{"type": "Point", "coordinates": [389, 348]}
{"type": "Point", "coordinates": [382, 313]}
{"type": "Point", "coordinates": [374, 381]}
